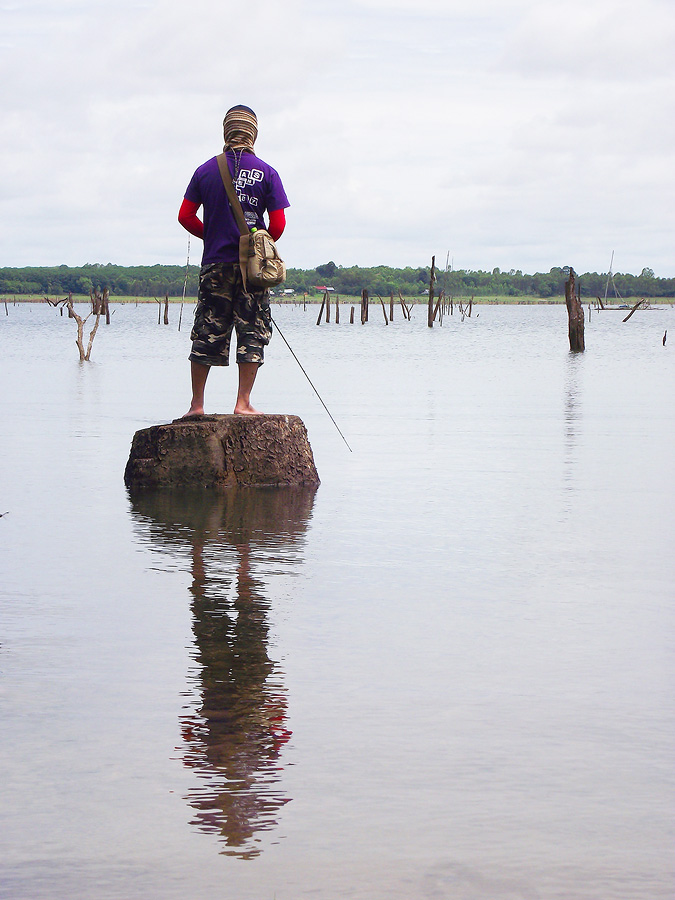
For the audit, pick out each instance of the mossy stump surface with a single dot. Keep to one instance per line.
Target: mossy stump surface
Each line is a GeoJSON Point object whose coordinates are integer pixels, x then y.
{"type": "Point", "coordinates": [222, 452]}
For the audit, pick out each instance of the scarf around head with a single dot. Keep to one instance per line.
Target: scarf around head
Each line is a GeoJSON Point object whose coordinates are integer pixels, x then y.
{"type": "Point", "coordinates": [240, 128]}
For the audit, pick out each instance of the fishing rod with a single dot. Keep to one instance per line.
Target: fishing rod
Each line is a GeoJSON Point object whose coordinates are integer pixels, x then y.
{"type": "Point", "coordinates": [310, 381]}
{"type": "Point", "coordinates": [187, 272]}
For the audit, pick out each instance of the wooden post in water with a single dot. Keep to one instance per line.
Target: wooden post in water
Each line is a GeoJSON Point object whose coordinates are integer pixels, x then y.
{"type": "Point", "coordinates": [166, 310]}
{"type": "Point", "coordinates": [575, 315]}
{"type": "Point", "coordinates": [351, 316]}
{"type": "Point", "coordinates": [432, 278]}
{"type": "Point", "coordinates": [323, 303]}
{"type": "Point", "coordinates": [337, 309]}
{"type": "Point", "coordinates": [384, 311]}
{"type": "Point", "coordinates": [327, 298]}
{"type": "Point", "coordinates": [105, 305]}
{"type": "Point", "coordinates": [364, 305]}
{"type": "Point", "coordinates": [391, 307]}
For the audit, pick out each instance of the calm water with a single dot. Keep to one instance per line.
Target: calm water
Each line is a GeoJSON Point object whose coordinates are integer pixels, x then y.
{"type": "Point", "coordinates": [448, 673]}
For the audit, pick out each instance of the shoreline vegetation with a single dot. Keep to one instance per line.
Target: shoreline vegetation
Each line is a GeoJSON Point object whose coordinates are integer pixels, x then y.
{"type": "Point", "coordinates": [344, 299]}
{"type": "Point", "coordinates": [154, 283]}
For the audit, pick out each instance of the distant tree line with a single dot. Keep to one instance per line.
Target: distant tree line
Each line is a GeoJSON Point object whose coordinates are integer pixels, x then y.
{"type": "Point", "coordinates": [464, 283]}
{"type": "Point", "coordinates": [158, 280]}
{"type": "Point", "coordinates": [123, 281]}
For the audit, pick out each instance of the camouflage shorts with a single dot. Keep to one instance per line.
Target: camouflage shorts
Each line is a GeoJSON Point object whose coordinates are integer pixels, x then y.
{"type": "Point", "coordinates": [223, 304]}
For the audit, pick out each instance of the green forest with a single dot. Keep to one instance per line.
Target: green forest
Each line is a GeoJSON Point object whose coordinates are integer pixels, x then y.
{"type": "Point", "coordinates": [158, 281]}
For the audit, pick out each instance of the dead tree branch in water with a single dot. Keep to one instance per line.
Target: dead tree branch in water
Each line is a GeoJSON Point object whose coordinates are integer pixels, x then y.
{"type": "Point", "coordinates": [99, 305]}
{"type": "Point", "coordinates": [406, 311]}
{"type": "Point", "coordinates": [637, 306]}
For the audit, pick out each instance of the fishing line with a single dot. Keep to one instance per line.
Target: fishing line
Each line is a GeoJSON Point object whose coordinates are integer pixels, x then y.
{"type": "Point", "coordinates": [310, 381]}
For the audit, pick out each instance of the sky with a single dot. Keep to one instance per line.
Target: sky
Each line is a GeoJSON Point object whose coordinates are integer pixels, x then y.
{"type": "Point", "coordinates": [489, 133]}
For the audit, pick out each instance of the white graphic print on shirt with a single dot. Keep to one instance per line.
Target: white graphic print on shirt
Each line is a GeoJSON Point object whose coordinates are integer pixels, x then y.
{"type": "Point", "coordinates": [246, 178]}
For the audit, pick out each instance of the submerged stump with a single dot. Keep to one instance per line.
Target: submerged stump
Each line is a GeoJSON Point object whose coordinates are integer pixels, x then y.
{"type": "Point", "coordinates": [575, 315]}
{"type": "Point", "coordinates": [222, 451]}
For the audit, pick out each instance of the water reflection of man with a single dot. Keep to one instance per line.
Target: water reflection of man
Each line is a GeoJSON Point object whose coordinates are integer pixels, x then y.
{"type": "Point", "coordinates": [235, 737]}
{"type": "Point", "coordinates": [235, 729]}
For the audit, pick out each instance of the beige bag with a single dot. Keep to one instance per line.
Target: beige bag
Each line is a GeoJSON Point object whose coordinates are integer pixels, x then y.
{"type": "Point", "coordinates": [259, 260]}
{"type": "Point", "coordinates": [260, 257]}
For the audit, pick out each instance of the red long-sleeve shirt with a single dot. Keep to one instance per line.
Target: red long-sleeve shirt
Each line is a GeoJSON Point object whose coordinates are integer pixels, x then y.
{"type": "Point", "coordinates": [187, 216]}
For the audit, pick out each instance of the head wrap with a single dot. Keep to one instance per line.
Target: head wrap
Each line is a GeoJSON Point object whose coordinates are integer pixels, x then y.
{"type": "Point", "coordinates": [240, 128]}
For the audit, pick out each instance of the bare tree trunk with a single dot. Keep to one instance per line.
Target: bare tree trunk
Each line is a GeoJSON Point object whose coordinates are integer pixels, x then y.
{"type": "Point", "coordinates": [406, 311]}
{"type": "Point", "coordinates": [80, 326]}
{"type": "Point", "coordinates": [575, 315]}
{"type": "Point", "coordinates": [92, 335]}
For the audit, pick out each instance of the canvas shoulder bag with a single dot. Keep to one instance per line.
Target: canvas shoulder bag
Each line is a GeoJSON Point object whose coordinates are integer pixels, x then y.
{"type": "Point", "coordinates": [259, 260]}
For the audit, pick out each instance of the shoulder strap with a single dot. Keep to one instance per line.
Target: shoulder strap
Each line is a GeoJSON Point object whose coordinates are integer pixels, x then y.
{"type": "Point", "coordinates": [232, 194]}
{"type": "Point", "coordinates": [244, 233]}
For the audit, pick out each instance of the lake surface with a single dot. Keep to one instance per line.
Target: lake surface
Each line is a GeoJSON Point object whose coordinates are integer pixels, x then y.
{"type": "Point", "coordinates": [447, 673]}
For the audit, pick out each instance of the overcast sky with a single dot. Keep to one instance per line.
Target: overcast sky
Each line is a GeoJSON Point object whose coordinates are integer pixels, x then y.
{"type": "Point", "coordinates": [505, 133]}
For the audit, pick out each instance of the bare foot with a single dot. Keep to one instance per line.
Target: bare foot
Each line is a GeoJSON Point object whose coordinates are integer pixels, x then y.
{"type": "Point", "coordinates": [246, 410]}
{"type": "Point", "coordinates": [191, 413]}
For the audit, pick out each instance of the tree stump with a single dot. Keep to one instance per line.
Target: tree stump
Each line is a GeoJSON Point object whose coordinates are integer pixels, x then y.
{"type": "Point", "coordinates": [222, 451]}
{"type": "Point", "coordinates": [575, 315]}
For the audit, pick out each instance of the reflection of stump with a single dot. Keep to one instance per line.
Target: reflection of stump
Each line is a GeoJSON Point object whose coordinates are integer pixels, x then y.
{"type": "Point", "coordinates": [222, 451]}
{"type": "Point", "coordinates": [575, 314]}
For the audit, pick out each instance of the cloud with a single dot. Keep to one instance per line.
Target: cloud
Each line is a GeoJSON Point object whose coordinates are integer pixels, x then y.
{"type": "Point", "coordinates": [500, 131]}
{"type": "Point", "coordinates": [605, 40]}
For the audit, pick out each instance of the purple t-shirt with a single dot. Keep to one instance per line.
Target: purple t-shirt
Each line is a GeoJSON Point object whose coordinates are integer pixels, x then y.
{"type": "Point", "coordinates": [259, 189]}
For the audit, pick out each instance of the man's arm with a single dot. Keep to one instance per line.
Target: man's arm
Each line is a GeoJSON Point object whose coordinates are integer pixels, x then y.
{"type": "Point", "coordinates": [187, 216]}
{"type": "Point", "coordinates": [277, 223]}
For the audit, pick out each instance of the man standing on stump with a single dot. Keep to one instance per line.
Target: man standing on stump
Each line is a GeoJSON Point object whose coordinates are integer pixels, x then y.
{"type": "Point", "coordinates": [222, 302]}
